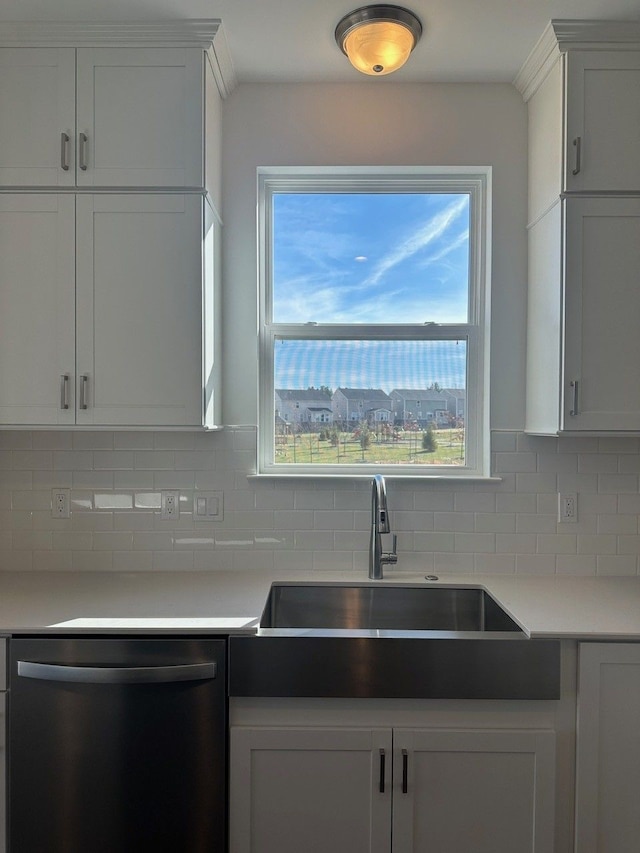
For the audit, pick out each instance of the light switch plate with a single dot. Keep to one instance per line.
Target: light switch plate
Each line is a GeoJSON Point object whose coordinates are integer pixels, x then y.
{"type": "Point", "coordinates": [208, 506]}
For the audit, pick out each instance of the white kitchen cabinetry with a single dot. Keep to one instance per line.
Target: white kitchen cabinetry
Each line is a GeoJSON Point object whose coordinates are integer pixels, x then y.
{"type": "Point", "coordinates": [584, 228]}
{"type": "Point", "coordinates": [37, 105]}
{"type": "Point", "coordinates": [101, 309]}
{"type": "Point", "coordinates": [37, 308]}
{"type": "Point", "coordinates": [608, 748]}
{"type": "Point", "coordinates": [139, 117]}
{"type": "Point", "coordinates": [310, 789]}
{"type": "Point", "coordinates": [399, 790]}
{"type": "Point", "coordinates": [138, 309]}
{"type": "Point", "coordinates": [110, 299]}
{"type": "Point", "coordinates": [602, 121]}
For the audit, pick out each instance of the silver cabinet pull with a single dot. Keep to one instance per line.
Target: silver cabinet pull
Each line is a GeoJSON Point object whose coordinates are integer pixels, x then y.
{"type": "Point", "coordinates": [382, 770]}
{"type": "Point", "coordinates": [405, 771]}
{"type": "Point", "coordinates": [574, 385]}
{"type": "Point", "coordinates": [64, 151]}
{"type": "Point", "coordinates": [117, 675]}
{"type": "Point", "coordinates": [578, 146]}
{"type": "Point", "coordinates": [82, 151]}
{"type": "Point", "coordinates": [64, 391]}
{"type": "Point", "coordinates": [84, 380]}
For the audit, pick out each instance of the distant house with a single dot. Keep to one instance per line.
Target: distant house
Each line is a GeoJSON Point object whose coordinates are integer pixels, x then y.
{"type": "Point", "coordinates": [352, 405]}
{"type": "Point", "coordinates": [426, 407]}
{"type": "Point", "coordinates": [302, 407]}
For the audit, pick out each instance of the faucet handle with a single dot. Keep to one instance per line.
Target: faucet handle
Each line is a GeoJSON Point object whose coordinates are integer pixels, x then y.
{"type": "Point", "coordinates": [391, 556]}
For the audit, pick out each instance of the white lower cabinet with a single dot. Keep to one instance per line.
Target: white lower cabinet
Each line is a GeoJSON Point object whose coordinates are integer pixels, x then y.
{"type": "Point", "coordinates": [608, 748]}
{"type": "Point", "coordinates": [400, 790]}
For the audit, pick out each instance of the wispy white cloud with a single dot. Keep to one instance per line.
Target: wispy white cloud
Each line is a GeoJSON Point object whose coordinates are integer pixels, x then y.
{"type": "Point", "coordinates": [460, 240]}
{"type": "Point", "coordinates": [420, 239]}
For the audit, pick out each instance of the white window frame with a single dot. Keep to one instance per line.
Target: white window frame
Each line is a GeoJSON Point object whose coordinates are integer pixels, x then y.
{"type": "Point", "coordinates": [474, 180]}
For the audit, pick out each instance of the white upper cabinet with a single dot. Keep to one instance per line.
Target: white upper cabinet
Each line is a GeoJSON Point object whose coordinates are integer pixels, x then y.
{"type": "Point", "coordinates": [601, 314]}
{"type": "Point", "coordinates": [582, 85]}
{"type": "Point", "coordinates": [37, 311]}
{"type": "Point", "coordinates": [109, 230]}
{"type": "Point", "coordinates": [602, 121]}
{"type": "Point", "coordinates": [139, 309]}
{"type": "Point", "coordinates": [139, 117]}
{"type": "Point", "coordinates": [38, 117]}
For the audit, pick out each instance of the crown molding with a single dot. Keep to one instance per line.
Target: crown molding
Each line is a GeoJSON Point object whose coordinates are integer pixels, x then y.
{"type": "Point", "coordinates": [537, 65]}
{"type": "Point", "coordinates": [561, 35]}
{"type": "Point", "coordinates": [207, 34]}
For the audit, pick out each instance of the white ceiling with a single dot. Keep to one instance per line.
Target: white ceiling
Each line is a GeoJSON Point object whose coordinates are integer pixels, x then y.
{"type": "Point", "coordinates": [292, 40]}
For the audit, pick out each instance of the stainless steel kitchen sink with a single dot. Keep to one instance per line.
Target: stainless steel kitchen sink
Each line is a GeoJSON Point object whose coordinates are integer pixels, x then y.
{"type": "Point", "coordinates": [383, 607]}
{"type": "Point", "coordinates": [379, 640]}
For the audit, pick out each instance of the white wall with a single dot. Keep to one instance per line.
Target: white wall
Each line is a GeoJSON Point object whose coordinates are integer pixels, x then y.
{"type": "Point", "coordinates": [359, 124]}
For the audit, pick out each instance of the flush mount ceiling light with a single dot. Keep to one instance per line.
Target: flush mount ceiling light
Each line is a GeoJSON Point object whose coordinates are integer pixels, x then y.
{"type": "Point", "coordinates": [378, 39]}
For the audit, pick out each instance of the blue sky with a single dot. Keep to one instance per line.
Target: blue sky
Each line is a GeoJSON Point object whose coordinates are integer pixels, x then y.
{"type": "Point", "coordinates": [370, 258]}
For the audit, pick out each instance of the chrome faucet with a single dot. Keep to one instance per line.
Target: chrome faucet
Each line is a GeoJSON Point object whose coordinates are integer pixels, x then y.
{"type": "Point", "coordinates": [379, 525]}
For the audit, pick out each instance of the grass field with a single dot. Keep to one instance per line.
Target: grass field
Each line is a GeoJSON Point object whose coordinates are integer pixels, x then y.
{"type": "Point", "coordinates": [308, 448]}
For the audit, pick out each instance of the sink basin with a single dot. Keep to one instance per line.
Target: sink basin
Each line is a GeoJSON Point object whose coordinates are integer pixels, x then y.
{"type": "Point", "coordinates": [390, 608]}
{"type": "Point", "coordinates": [389, 641]}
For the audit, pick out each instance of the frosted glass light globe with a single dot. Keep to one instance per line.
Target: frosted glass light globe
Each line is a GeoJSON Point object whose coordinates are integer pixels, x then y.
{"type": "Point", "coordinates": [379, 48]}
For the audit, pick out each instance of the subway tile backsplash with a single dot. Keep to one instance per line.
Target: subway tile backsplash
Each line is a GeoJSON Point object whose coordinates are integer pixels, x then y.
{"type": "Point", "coordinates": [116, 478]}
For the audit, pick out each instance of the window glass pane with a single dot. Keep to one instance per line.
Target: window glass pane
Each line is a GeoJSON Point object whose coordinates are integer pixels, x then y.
{"type": "Point", "coordinates": [370, 257]}
{"type": "Point", "coordinates": [378, 402]}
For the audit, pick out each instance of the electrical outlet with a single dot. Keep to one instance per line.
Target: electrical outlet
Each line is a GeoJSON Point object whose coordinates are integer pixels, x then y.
{"type": "Point", "coordinates": [567, 508]}
{"type": "Point", "coordinates": [169, 505]}
{"type": "Point", "coordinates": [60, 503]}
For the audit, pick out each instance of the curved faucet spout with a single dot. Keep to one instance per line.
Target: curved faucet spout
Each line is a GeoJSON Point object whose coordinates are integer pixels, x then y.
{"type": "Point", "coordinates": [379, 524]}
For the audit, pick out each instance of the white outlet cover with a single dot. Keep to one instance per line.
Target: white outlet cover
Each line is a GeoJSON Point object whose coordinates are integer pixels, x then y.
{"type": "Point", "coordinates": [170, 505]}
{"type": "Point", "coordinates": [61, 503]}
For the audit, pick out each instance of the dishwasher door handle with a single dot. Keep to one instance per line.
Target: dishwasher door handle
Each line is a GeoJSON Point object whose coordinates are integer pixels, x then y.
{"type": "Point", "coordinates": [116, 674]}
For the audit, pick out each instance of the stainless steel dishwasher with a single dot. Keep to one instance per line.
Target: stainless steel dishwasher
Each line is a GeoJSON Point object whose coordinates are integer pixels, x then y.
{"type": "Point", "coordinates": [117, 746]}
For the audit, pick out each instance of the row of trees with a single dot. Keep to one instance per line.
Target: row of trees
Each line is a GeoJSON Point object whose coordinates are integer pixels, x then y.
{"type": "Point", "coordinates": [365, 436]}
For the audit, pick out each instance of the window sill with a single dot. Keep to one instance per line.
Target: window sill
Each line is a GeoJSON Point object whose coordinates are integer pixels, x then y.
{"type": "Point", "coordinates": [432, 478]}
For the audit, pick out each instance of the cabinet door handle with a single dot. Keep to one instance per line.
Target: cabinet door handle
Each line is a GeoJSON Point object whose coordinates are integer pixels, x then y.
{"type": "Point", "coordinates": [82, 151]}
{"type": "Point", "coordinates": [64, 152]}
{"type": "Point", "coordinates": [405, 771]}
{"type": "Point", "coordinates": [382, 770]}
{"type": "Point", "coordinates": [64, 391]}
{"type": "Point", "coordinates": [574, 410]}
{"type": "Point", "coordinates": [84, 380]}
{"type": "Point", "coordinates": [578, 146]}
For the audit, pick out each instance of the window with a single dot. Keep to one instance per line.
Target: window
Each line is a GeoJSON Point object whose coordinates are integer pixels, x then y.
{"type": "Point", "coordinates": [374, 317]}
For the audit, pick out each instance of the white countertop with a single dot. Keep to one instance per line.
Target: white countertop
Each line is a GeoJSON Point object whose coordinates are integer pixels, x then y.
{"type": "Point", "coordinates": [231, 602]}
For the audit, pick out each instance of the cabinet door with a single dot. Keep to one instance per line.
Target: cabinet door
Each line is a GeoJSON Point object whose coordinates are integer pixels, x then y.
{"type": "Point", "coordinates": [608, 748]}
{"type": "Point", "coordinates": [603, 120]}
{"type": "Point", "coordinates": [473, 791]}
{"type": "Point", "coordinates": [602, 315]}
{"type": "Point", "coordinates": [140, 111]}
{"type": "Point", "coordinates": [37, 105]}
{"type": "Point", "coordinates": [37, 310]}
{"type": "Point", "coordinates": [320, 790]}
{"type": "Point", "coordinates": [139, 309]}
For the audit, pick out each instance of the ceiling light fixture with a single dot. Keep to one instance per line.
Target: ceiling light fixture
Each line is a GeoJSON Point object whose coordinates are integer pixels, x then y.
{"type": "Point", "coordinates": [378, 39]}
